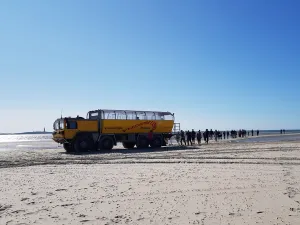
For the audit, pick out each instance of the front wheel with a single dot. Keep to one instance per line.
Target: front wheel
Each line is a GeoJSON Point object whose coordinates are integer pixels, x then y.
{"type": "Point", "coordinates": [83, 143]}
{"type": "Point", "coordinates": [156, 142]}
{"type": "Point", "coordinates": [142, 142]}
{"type": "Point", "coordinates": [68, 147]}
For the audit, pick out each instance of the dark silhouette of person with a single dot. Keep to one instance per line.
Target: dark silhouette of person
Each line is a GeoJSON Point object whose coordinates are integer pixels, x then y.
{"type": "Point", "coordinates": [252, 132]}
{"type": "Point", "coordinates": [150, 136]}
{"type": "Point", "coordinates": [206, 137]}
{"type": "Point", "coordinates": [189, 137]}
{"type": "Point", "coordinates": [216, 135]}
{"type": "Point", "coordinates": [227, 134]}
{"type": "Point", "coordinates": [193, 136]}
{"type": "Point", "coordinates": [257, 132]}
{"type": "Point", "coordinates": [224, 134]}
{"type": "Point", "coordinates": [182, 137]}
{"type": "Point", "coordinates": [281, 131]}
{"type": "Point", "coordinates": [199, 137]}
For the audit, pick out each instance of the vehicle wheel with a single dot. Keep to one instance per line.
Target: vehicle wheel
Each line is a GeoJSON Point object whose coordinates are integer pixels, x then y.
{"type": "Point", "coordinates": [128, 145]}
{"type": "Point", "coordinates": [142, 142]}
{"type": "Point", "coordinates": [106, 143]}
{"type": "Point", "coordinates": [68, 147]}
{"type": "Point", "coordinates": [83, 143]}
{"type": "Point", "coordinates": [156, 142]}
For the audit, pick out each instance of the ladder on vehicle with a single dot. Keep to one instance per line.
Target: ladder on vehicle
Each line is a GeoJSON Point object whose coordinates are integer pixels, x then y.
{"type": "Point", "coordinates": [176, 128]}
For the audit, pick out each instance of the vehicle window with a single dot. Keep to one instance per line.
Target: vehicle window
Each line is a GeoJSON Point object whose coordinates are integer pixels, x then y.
{"type": "Point", "coordinates": [168, 117]}
{"type": "Point", "coordinates": [61, 124]}
{"type": "Point", "coordinates": [120, 116]}
{"type": "Point", "coordinates": [110, 116]}
{"type": "Point", "coordinates": [158, 116]}
{"type": "Point", "coordinates": [131, 115]}
{"type": "Point", "coordinates": [93, 115]}
{"type": "Point", "coordinates": [56, 126]}
{"type": "Point", "coordinates": [72, 125]}
{"type": "Point", "coordinates": [150, 115]}
{"type": "Point", "coordinates": [141, 116]}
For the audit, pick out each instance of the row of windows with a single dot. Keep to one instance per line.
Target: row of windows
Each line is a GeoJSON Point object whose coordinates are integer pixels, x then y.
{"type": "Point", "coordinates": [131, 116]}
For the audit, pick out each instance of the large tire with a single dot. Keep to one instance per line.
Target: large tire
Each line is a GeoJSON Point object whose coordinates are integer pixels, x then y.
{"type": "Point", "coordinates": [128, 145]}
{"type": "Point", "coordinates": [83, 143]}
{"type": "Point", "coordinates": [68, 147]}
{"type": "Point", "coordinates": [106, 143]}
{"type": "Point", "coordinates": [142, 142]}
{"type": "Point", "coordinates": [156, 142]}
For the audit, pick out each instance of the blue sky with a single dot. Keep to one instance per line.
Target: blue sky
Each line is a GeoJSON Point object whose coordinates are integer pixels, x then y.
{"type": "Point", "coordinates": [216, 64]}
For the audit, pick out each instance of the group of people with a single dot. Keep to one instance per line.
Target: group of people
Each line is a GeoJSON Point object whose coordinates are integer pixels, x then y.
{"type": "Point", "coordinates": [190, 137]}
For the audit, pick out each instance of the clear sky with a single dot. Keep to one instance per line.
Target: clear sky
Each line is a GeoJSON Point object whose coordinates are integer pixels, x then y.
{"type": "Point", "coordinates": [215, 64]}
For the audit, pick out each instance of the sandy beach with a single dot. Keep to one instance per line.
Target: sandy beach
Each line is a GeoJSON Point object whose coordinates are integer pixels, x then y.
{"type": "Point", "coordinates": [239, 182]}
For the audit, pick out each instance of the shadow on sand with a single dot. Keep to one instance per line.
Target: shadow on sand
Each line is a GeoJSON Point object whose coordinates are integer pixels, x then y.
{"type": "Point", "coordinates": [136, 150]}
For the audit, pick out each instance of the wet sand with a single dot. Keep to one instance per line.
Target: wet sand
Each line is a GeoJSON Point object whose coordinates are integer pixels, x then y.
{"type": "Point", "coordinates": [221, 183]}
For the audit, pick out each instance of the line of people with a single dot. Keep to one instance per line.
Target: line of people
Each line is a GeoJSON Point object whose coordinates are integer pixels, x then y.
{"type": "Point", "coordinates": [190, 137]}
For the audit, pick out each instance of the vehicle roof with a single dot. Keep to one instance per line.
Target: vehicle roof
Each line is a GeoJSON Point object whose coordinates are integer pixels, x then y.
{"type": "Point", "coordinates": [118, 110]}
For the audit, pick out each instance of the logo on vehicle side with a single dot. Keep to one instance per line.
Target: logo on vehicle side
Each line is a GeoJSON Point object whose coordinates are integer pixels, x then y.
{"type": "Point", "coordinates": [152, 123]}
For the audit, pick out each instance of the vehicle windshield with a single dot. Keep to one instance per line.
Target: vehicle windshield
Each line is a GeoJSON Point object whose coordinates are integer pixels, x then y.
{"type": "Point", "coordinates": [58, 124]}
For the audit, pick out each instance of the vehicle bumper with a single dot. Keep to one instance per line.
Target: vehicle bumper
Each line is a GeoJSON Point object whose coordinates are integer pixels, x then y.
{"type": "Point", "coordinates": [58, 138]}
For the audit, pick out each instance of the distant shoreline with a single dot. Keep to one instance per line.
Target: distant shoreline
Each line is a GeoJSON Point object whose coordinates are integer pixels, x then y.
{"type": "Point", "coordinates": [262, 132]}
{"type": "Point", "coordinates": [33, 132]}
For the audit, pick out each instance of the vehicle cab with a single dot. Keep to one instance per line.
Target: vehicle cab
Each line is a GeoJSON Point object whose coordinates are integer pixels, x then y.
{"type": "Point", "coordinates": [58, 131]}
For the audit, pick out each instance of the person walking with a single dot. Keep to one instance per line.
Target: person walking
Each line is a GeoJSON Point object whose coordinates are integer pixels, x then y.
{"type": "Point", "coordinates": [216, 135]}
{"type": "Point", "coordinates": [189, 137]}
{"type": "Point", "coordinates": [182, 138]}
{"type": "Point", "coordinates": [193, 134]}
{"type": "Point", "coordinates": [199, 137]}
{"type": "Point", "coordinates": [206, 137]}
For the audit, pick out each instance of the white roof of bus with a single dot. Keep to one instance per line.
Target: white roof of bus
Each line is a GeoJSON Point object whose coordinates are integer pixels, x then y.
{"type": "Point", "coordinates": [117, 110]}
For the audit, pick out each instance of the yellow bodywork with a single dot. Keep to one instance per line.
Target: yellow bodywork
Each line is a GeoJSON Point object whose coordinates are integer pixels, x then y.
{"type": "Point", "coordinates": [115, 127]}
{"type": "Point", "coordinates": [136, 126]}
{"type": "Point", "coordinates": [82, 126]}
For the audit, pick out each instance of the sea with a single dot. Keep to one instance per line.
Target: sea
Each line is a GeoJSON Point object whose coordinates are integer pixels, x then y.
{"type": "Point", "coordinates": [44, 141]}
{"type": "Point", "coordinates": [27, 142]}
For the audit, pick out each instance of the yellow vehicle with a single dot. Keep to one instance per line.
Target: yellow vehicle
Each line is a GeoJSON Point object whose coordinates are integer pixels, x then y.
{"type": "Point", "coordinates": [102, 129]}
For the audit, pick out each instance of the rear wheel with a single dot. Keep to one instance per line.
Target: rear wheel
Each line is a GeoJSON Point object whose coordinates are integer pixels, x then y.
{"type": "Point", "coordinates": [68, 147]}
{"type": "Point", "coordinates": [128, 145]}
{"type": "Point", "coordinates": [142, 142]}
{"type": "Point", "coordinates": [106, 143]}
{"type": "Point", "coordinates": [156, 142]}
{"type": "Point", "coordinates": [83, 143]}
